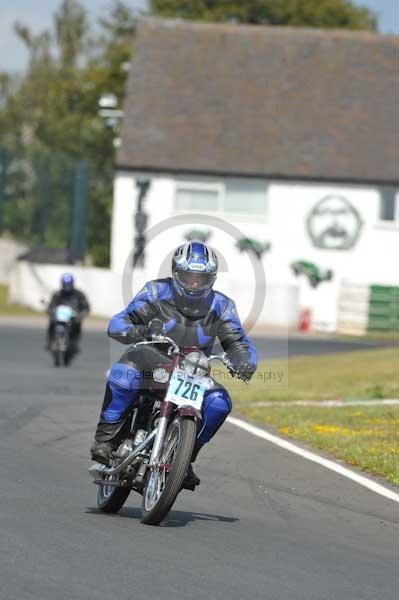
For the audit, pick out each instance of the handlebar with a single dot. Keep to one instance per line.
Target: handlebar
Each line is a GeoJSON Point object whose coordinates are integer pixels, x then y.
{"type": "Point", "coordinates": [224, 358]}
{"type": "Point", "coordinates": [226, 361]}
{"type": "Point", "coordinates": [162, 339]}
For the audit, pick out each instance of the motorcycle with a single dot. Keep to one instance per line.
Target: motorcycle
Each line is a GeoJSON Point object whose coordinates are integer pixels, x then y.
{"type": "Point", "coordinates": [61, 344]}
{"type": "Point", "coordinates": [154, 456]}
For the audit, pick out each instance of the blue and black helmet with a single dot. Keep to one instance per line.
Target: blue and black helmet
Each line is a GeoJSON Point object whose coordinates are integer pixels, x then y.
{"type": "Point", "coordinates": [194, 269]}
{"type": "Point", "coordinates": [67, 282]}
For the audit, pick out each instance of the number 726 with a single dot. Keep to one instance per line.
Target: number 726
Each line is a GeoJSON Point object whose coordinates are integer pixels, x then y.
{"type": "Point", "coordinates": [191, 389]}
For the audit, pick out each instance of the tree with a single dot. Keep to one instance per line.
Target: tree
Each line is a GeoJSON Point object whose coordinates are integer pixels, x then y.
{"type": "Point", "coordinates": [50, 118]}
{"type": "Point", "coordinates": [337, 14]}
{"type": "Point", "coordinates": [70, 26]}
{"type": "Point", "coordinates": [106, 72]}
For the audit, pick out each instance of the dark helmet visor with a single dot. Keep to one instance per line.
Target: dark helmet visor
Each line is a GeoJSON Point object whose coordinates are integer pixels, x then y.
{"type": "Point", "coordinates": [195, 282]}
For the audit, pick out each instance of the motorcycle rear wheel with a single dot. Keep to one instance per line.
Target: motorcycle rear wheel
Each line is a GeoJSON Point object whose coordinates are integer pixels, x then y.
{"type": "Point", "coordinates": [162, 488]}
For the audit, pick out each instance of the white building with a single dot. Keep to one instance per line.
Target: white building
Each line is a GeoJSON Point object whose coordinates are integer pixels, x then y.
{"type": "Point", "coordinates": [289, 135]}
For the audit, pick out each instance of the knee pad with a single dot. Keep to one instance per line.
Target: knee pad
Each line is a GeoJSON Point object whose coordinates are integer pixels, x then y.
{"type": "Point", "coordinates": [218, 401]}
{"type": "Point", "coordinates": [217, 407]}
{"type": "Point", "coordinates": [124, 377]}
{"type": "Point", "coordinates": [124, 381]}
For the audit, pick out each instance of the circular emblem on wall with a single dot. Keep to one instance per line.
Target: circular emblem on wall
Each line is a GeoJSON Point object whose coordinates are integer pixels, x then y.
{"type": "Point", "coordinates": [334, 224]}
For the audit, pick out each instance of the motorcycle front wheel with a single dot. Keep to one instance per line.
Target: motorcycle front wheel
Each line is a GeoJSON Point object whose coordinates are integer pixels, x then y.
{"type": "Point", "coordinates": [57, 358]}
{"type": "Point", "coordinates": [165, 482]}
{"type": "Point", "coordinates": [61, 352]}
{"type": "Point", "coordinates": [110, 499]}
{"type": "Point", "coordinates": [61, 358]}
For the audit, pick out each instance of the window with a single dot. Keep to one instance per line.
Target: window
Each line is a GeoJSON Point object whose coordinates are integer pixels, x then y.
{"type": "Point", "coordinates": [192, 197]}
{"type": "Point", "coordinates": [245, 196]}
{"type": "Point", "coordinates": [389, 204]}
{"type": "Point", "coordinates": [234, 196]}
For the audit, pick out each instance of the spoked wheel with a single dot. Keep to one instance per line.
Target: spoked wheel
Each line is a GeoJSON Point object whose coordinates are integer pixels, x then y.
{"type": "Point", "coordinates": [165, 482]}
{"type": "Point", "coordinates": [59, 355]}
{"type": "Point", "coordinates": [57, 358]}
{"type": "Point", "coordinates": [66, 357]}
{"type": "Point", "coordinates": [110, 499]}
{"type": "Point", "coordinates": [61, 358]}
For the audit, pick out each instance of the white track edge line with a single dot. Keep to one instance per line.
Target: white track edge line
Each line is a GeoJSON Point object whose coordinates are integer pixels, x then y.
{"type": "Point", "coordinates": [320, 460]}
{"type": "Point", "coordinates": [330, 403]}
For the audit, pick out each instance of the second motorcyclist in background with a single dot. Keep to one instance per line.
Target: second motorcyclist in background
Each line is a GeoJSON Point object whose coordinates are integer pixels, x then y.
{"type": "Point", "coordinates": [192, 314]}
{"type": "Point", "coordinates": [69, 296]}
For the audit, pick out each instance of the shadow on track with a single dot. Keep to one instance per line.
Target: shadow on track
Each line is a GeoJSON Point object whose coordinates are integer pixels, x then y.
{"type": "Point", "coordinates": [176, 518]}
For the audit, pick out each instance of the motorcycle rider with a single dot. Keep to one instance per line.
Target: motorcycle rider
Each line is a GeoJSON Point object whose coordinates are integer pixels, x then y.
{"type": "Point", "coordinates": [193, 314]}
{"type": "Point", "coordinates": [70, 296]}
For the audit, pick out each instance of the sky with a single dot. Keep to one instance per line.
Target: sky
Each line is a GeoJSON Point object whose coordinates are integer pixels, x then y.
{"type": "Point", "coordinates": [37, 14]}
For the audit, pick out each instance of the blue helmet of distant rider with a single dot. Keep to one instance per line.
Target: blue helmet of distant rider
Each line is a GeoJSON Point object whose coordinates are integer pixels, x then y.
{"type": "Point", "coordinates": [67, 283]}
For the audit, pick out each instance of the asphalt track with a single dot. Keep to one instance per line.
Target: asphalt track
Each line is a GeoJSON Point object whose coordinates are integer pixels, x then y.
{"type": "Point", "coordinates": [264, 524]}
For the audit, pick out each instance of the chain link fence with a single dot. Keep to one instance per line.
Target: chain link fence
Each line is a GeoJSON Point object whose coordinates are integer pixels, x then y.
{"type": "Point", "coordinates": [44, 202]}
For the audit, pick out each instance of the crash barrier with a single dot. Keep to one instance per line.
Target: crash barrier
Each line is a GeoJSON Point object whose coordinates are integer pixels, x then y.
{"type": "Point", "coordinates": [353, 303]}
{"type": "Point", "coordinates": [383, 308]}
{"type": "Point", "coordinates": [363, 308]}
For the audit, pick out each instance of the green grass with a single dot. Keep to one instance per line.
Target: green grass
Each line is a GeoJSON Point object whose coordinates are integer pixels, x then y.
{"type": "Point", "coordinates": [13, 309]}
{"type": "Point", "coordinates": [365, 374]}
{"type": "Point", "coordinates": [366, 436]}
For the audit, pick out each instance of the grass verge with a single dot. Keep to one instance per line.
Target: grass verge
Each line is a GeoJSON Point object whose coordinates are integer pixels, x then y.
{"type": "Point", "coordinates": [13, 309]}
{"type": "Point", "coordinates": [365, 436]}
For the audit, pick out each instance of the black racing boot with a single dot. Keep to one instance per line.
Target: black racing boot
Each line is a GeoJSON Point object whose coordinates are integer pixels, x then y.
{"type": "Point", "coordinates": [101, 452]}
{"type": "Point", "coordinates": [192, 480]}
{"type": "Point", "coordinates": [105, 440]}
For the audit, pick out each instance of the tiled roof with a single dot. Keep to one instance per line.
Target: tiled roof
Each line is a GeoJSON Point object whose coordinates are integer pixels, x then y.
{"type": "Point", "coordinates": [268, 101]}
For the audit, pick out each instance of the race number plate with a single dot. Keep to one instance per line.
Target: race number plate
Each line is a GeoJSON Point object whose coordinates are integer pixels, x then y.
{"type": "Point", "coordinates": [186, 390]}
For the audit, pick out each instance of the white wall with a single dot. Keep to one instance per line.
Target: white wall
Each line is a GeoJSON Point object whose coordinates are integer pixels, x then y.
{"type": "Point", "coordinates": [110, 290]}
{"type": "Point", "coordinates": [33, 284]}
{"type": "Point", "coordinates": [373, 259]}
{"type": "Point", "coordinates": [9, 252]}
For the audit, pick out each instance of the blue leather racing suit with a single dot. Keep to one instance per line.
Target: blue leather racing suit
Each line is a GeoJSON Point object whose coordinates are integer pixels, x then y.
{"type": "Point", "coordinates": [201, 324]}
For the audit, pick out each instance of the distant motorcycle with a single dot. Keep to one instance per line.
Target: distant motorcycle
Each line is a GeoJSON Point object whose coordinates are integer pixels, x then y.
{"type": "Point", "coordinates": [61, 345]}
{"type": "Point", "coordinates": [155, 454]}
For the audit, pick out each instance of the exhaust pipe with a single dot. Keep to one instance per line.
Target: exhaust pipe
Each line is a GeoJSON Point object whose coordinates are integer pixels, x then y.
{"type": "Point", "coordinates": [98, 469]}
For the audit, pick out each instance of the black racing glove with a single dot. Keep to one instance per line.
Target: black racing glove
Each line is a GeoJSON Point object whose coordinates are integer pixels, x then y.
{"type": "Point", "coordinates": [242, 367]}
{"type": "Point", "coordinates": [155, 327]}
{"type": "Point", "coordinates": [137, 333]}
{"type": "Point", "coordinates": [245, 370]}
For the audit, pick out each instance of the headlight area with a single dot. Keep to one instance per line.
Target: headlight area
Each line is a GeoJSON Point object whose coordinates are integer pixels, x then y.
{"type": "Point", "coordinates": [160, 375]}
{"type": "Point", "coordinates": [196, 363]}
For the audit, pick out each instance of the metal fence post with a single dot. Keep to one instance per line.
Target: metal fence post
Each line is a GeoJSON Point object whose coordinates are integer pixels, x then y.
{"type": "Point", "coordinates": [3, 168]}
{"type": "Point", "coordinates": [44, 201]}
{"type": "Point", "coordinates": [79, 211]}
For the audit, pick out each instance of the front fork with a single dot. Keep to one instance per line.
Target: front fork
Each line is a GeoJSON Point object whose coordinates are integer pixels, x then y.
{"type": "Point", "coordinates": [158, 442]}
{"type": "Point", "coordinates": [162, 426]}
